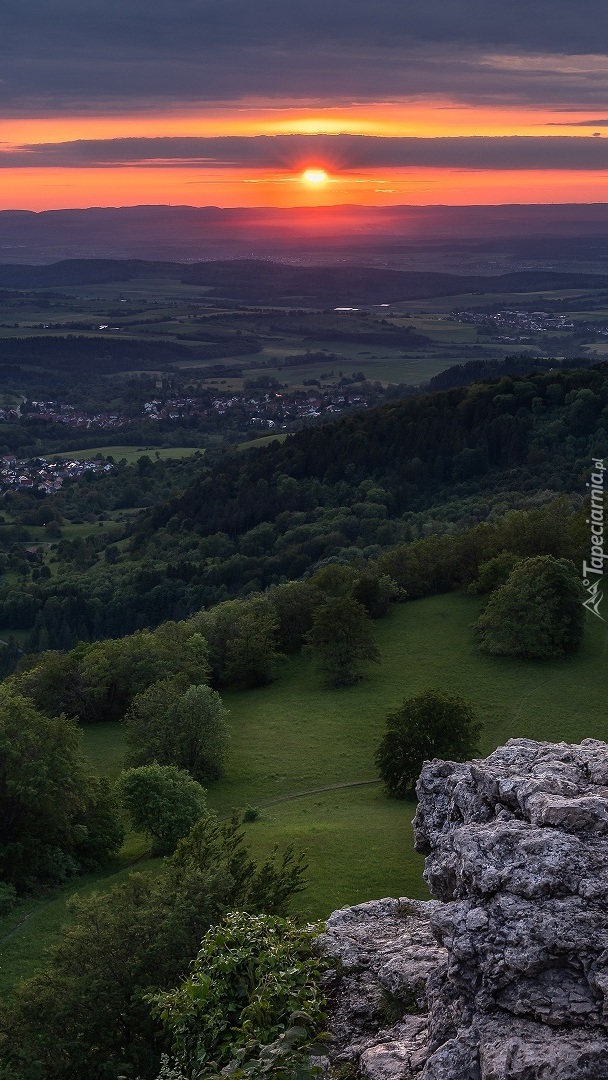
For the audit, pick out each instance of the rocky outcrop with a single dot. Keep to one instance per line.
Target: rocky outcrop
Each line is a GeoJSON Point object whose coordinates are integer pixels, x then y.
{"type": "Point", "coordinates": [505, 975]}
{"type": "Point", "coordinates": [385, 953]}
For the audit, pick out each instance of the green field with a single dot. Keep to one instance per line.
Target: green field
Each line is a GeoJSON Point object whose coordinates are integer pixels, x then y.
{"type": "Point", "coordinates": [130, 453]}
{"type": "Point", "coordinates": [295, 737]}
{"type": "Point", "coordinates": [442, 330]}
{"type": "Point", "coordinates": [461, 301]}
{"type": "Point", "coordinates": [264, 440]}
{"type": "Point", "coordinates": [379, 364]}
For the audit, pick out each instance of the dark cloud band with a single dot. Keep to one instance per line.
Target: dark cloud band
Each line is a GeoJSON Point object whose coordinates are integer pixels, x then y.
{"type": "Point", "coordinates": [337, 152]}
{"type": "Point", "coordinates": [95, 55]}
{"type": "Point", "coordinates": [185, 27]}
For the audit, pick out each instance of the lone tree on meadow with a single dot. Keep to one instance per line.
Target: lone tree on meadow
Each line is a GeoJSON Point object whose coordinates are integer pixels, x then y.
{"type": "Point", "coordinates": [341, 640]}
{"type": "Point", "coordinates": [426, 726]}
{"type": "Point", "coordinates": [172, 724]}
{"type": "Point", "coordinates": [537, 614]}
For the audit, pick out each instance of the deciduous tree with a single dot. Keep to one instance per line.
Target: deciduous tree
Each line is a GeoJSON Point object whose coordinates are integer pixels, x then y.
{"type": "Point", "coordinates": [241, 639]}
{"type": "Point", "coordinates": [173, 724]}
{"type": "Point", "coordinates": [162, 801]}
{"type": "Point", "coordinates": [56, 817]}
{"type": "Point", "coordinates": [537, 614]}
{"type": "Point", "coordinates": [426, 726]}
{"type": "Point", "coordinates": [342, 640]}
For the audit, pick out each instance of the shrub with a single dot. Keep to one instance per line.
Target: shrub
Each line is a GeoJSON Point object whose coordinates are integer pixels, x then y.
{"type": "Point", "coordinates": [162, 801]}
{"type": "Point", "coordinates": [254, 979]}
{"type": "Point", "coordinates": [426, 726]}
{"type": "Point", "coordinates": [537, 614]}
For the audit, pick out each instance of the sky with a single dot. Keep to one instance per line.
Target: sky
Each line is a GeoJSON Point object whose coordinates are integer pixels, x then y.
{"type": "Point", "coordinates": [302, 102]}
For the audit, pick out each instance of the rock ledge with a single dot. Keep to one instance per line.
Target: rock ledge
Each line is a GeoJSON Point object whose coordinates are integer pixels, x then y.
{"type": "Point", "coordinates": [504, 976]}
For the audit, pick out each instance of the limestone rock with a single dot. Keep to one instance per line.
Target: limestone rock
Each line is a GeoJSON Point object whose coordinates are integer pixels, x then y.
{"type": "Point", "coordinates": [403, 1053]}
{"type": "Point", "coordinates": [505, 975]}
{"type": "Point", "coordinates": [384, 952]}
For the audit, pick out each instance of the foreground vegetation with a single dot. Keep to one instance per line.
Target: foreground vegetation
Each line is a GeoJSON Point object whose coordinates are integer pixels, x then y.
{"type": "Point", "coordinates": [89, 1011]}
{"type": "Point", "coordinates": [296, 735]}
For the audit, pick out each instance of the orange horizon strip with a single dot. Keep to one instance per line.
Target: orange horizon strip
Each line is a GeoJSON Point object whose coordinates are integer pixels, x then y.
{"type": "Point", "coordinates": [248, 118]}
{"type": "Point", "coordinates": [41, 189]}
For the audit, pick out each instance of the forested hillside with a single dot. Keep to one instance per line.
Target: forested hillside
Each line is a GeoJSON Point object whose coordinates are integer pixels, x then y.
{"type": "Point", "coordinates": [344, 490]}
{"type": "Point", "coordinates": [77, 353]}
{"type": "Point", "coordinates": [477, 437]}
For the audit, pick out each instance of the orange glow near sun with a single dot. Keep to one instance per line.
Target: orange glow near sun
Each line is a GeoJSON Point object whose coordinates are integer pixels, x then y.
{"type": "Point", "coordinates": [315, 177]}
{"type": "Point", "coordinates": [56, 188]}
{"type": "Point", "coordinates": [302, 179]}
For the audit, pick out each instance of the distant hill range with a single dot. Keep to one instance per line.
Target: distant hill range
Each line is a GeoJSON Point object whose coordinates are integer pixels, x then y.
{"type": "Point", "coordinates": [266, 282]}
{"type": "Point", "coordinates": [493, 237]}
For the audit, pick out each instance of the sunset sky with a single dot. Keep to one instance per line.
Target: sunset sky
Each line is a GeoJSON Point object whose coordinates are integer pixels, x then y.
{"type": "Point", "coordinates": [285, 103]}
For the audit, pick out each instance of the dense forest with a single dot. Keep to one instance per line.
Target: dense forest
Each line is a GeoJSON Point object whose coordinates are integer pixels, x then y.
{"type": "Point", "coordinates": [346, 490]}
{"type": "Point", "coordinates": [107, 355]}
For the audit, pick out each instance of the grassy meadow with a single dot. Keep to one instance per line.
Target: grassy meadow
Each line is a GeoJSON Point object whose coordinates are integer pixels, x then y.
{"type": "Point", "coordinates": [378, 363]}
{"type": "Point", "coordinates": [292, 738]}
{"type": "Point", "coordinates": [131, 454]}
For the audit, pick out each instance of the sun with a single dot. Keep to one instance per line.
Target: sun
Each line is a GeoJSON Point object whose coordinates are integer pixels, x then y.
{"type": "Point", "coordinates": [314, 177]}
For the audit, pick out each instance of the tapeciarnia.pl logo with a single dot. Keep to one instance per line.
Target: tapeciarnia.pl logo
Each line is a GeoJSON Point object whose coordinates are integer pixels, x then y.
{"type": "Point", "coordinates": [593, 571]}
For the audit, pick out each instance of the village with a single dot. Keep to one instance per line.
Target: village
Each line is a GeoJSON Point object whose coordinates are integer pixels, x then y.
{"type": "Point", "coordinates": [526, 321]}
{"type": "Point", "coordinates": [268, 408]}
{"type": "Point", "coordinates": [46, 477]}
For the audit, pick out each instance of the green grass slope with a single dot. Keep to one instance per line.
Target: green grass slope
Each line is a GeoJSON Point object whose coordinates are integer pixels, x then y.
{"type": "Point", "coordinates": [295, 737]}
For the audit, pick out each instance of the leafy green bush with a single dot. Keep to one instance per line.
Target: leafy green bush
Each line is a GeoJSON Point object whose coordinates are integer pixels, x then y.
{"type": "Point", "coordinates": [537, 614]}
{"type": "Point", "coordinates": [253, 999]}
{"type": "Point", "coordinates": [162, 801]}
{"type": "Point", "coordinates": [426, 726]}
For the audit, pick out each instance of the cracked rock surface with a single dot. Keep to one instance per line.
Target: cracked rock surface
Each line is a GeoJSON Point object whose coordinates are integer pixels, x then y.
{"type": "Point", "coordinates": [504, 976]}
{"type": "Point", "coordinates": [385, 951]}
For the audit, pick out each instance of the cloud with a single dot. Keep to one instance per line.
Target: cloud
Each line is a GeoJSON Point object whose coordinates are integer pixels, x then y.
{"type": "Point", "coordinates": [119, 54]}
{"type": "Point", "coordinates": [185, 26]}
{"type": "Point", "coordinates": [580, 123]}
{"type": "Point", "coordinates": [337, 152]}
